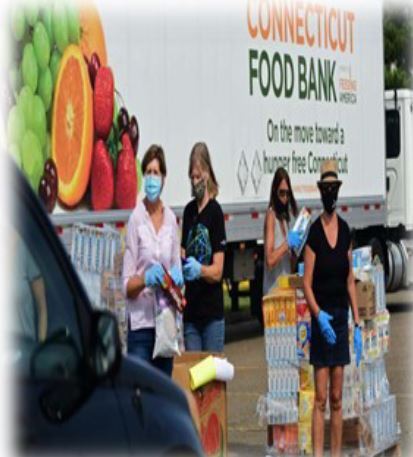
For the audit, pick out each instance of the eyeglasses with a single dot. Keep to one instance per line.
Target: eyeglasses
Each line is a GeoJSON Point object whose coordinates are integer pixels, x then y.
{"type": "Point", "coordinates": [329, 187]}
{"type": "Point", "coordinates": [282, 193]}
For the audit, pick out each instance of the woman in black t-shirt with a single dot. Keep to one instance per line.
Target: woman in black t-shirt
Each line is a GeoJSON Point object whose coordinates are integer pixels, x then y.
{"type": "Point", "coordinates": [329, 286]}
{"type": "Point", "coordinates": [203, 245]}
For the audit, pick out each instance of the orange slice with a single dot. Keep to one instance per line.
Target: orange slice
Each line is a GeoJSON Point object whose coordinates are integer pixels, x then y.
{"type": "Point", "coordinates": [92, 37]}
{"type": "Point", "coordinates": [72, 126]}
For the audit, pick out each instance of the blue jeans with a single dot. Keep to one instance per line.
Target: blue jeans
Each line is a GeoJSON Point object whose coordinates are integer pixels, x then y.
{"type": "Point", "coordinates": [205, 337]}
{"type": "Point", "coordinates": [141, 343]}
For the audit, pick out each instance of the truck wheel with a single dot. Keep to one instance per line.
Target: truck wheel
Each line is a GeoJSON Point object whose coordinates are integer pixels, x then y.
{"type": "Point", "coordinates": [397, 266]}
{"type": "Point", "coordinates": [256, 293]}
{"type": "Point", "coordinates": [377, 250]}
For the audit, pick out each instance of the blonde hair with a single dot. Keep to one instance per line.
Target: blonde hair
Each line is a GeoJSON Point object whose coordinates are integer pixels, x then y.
{"type": "Point", "coordinates": [200, 155]}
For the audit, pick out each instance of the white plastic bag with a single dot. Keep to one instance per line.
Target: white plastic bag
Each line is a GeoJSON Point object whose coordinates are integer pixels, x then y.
{"type": "Point", "coordinates": [166, 328]}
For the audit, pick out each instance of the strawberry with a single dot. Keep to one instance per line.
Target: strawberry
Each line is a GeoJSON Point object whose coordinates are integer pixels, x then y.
{"type": "Point", "coordinates": [126, 176]}
{"type": "Point", "coordinates": [102, 178]}
{"type": "Point", "coordinates": [103, 99]}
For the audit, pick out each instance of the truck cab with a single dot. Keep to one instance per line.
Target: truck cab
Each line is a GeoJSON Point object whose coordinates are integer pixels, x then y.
{"type": "Point", "coordinates": [399, 186]}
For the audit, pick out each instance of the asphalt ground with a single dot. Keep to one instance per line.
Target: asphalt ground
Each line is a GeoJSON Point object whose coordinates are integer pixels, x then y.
{"type": "Point", "coordinates": [245, 349]}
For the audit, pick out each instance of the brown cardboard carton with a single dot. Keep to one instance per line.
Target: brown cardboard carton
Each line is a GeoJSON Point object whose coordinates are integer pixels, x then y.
{"type": "Point", "coordinates": [352, 433]}
{"type": "Point", "coordinates": [366, 299]}
{"type": "Point", "coordinates": [211, 403]}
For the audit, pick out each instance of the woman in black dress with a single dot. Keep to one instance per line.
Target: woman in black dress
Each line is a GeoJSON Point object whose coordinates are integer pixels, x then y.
{"type": "Point", "coordinates": [329, 287]}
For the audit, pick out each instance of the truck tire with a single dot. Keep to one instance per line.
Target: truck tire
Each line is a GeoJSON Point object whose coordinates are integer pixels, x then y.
{"type": "Point", "coordinates": [377, 250]}
{"type": "Point", "coordinates": [397, 266]}
{"type": "Point", "coordinates": [256, 292]}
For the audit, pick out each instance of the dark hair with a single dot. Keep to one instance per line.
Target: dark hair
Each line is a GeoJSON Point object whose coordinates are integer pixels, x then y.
{"type": "Point", "coordinates": [200, 154]}
{"type": "Point", "coordinates": [154, 152]}
{"type": "Point", "coordinates": [279, 175]}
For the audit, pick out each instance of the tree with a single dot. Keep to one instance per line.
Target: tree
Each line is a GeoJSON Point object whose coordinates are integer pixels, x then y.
{"type": "Point", "coordinates": [398, 36]}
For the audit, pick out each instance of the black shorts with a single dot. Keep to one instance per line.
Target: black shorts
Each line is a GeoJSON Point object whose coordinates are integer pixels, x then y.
{"type": "Point", "coordinates": [323, 354]}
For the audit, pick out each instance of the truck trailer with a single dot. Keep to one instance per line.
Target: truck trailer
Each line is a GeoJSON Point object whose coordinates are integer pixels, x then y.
{"type": "Point", "coordinates": [266, 83]}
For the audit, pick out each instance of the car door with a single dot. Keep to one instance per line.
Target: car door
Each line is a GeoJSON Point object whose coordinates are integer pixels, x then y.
{"type": "Point", "coordinates": [59, 406]}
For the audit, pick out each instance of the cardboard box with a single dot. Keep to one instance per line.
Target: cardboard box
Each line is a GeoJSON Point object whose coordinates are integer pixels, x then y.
{"type": "Point", "coordinates": [305, 445]}
{"type": "Point", "coordinates": [366, 299]}
{"type": "Point", "coordinates": [283, 439]}
{"type": "Point", "coordinates": [306, 377]}
{"type": "Point", "coordinates": [293, 281]}
{"type": "Point", "coordinates": [352, 433]}
{"type": "Point", "coordinates": [211, 404]}
{"type": "Point", "coordinates": [305, 407]}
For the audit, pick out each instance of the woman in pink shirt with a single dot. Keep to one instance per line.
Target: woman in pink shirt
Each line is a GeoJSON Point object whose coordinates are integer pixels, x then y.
{"type": "Point", "coordinates": [152, 240]}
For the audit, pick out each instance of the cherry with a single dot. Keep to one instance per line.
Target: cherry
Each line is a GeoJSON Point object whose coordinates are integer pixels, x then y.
{"type": "Point", "coordinates": [47, 193]}
{"type": "Point", "coordinates": [51, 171]}
{"type": "Point", "coordinates": [93, 67]}
{"type": "Point", "coordinates": [134, 133]}
{"type": "Point", "coordinates": [123, 120]}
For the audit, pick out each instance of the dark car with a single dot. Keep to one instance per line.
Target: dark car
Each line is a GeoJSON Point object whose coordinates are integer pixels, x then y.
{"type": "Point", "coordinates": [76, 392]}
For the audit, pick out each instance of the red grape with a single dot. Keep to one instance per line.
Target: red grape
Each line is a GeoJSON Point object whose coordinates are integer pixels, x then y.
{"type": "Point", "coordinates": [47, 194]}
{"type": "Point", "coordinates": [50, 170]}
{"type": "Point", "coordinates": [134, 133]}
{"type": "Point", "coordinates": [93, 67]}
{"type": "Point", "coordinates": [123, 120]}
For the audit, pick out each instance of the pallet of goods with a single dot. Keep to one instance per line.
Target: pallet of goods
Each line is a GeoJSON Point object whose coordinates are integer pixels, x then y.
{"type": "Point", "coordinates": [370, 424]}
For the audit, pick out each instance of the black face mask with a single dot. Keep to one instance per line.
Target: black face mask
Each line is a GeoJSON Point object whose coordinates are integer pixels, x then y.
{"type": "Point", "coordinates": [329, 196]}
{"type": "Point", "coordinates": [281, 209]}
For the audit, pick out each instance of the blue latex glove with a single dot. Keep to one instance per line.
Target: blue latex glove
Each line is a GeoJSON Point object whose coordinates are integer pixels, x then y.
{"type": "Point", "coordinates": [176, 274]}
{"type": "Point", "coordinates": [192, 269]}
{"type": "Point", "coordinates": [154, 275]}
{"type": "Point", "coordinates": [294, 239]}
{"type": "Point", "coordinates": [358, 344]}
{"type": "Point", "coordinates": [326, 328]}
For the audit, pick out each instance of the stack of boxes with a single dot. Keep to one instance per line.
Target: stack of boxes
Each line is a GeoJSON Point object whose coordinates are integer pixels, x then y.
{"type": "Point", "coordinates": [306, 393]}
{"type": "Point", "coordinates": [369, 411]}
{"type": "Point", "coordinates": [96, 253]}
{"type": "Point", "coordinates": [279, 309]}
{"type": "Point", "coordinates": [378, 421]}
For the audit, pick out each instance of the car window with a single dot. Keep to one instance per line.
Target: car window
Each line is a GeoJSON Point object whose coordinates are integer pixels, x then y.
{"type": "Point", "coordinates": [43, 302]}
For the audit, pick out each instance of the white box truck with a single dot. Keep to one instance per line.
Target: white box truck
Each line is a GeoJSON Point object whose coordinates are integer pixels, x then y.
{"type": "Point", "coordinates": [267, 83]}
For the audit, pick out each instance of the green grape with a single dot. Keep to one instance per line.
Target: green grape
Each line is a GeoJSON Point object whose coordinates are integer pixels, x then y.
{"type": "Point", "coordinates": [47, 150]}
{"type": "Point", "coordinates": [46, 87]}
{"type": "Point", "coordinates": [15, 79]}
{"type": "Point", "coordinates": [29, 67]}
{"type": "Point", "coordinates": [73, 23]}
{"type": "Point", "coordinates": [115, 111]}
{"type": "Point", "coordinates": [59, 25]}
{"type": "Point", "coordinates": [25, 103]}
{"type": "Point", "coordinates": [32, 159]}
{"type": "Point", "coordinates": [54, 64]}
{"type": "Point", "coordinates": [15, 125]}
{"type": "Point", "coordinates": [47, 21]}
{"type": "Point", "coordinates": [41, 45]}
{"type": "Point", "coordinates": [18, 22]}
{"type": "Point", "coordinates": [49, 116]}
{"type": "Point", "coordinates": [15, 153]}
{"type": "Point", "coordinates": [32, 12]}
{"type": "Point", "coordinates": [37, 123]}
{"type": "Point", "coordinates": [139, 174]}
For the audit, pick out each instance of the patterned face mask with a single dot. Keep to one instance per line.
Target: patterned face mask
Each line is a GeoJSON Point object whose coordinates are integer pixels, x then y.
{"type": "Point", "coordinates": [198, 189]}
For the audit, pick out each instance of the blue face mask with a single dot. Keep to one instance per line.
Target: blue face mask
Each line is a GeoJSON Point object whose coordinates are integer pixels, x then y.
{"type": "Point", "coordinates": [153, 187]}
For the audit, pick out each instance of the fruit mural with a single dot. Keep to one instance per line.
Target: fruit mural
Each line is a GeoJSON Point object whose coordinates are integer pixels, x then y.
{"type": "Point", "coordinates": [68, 128]}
